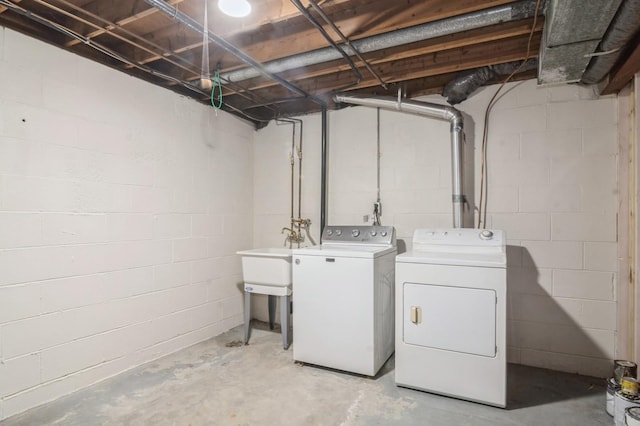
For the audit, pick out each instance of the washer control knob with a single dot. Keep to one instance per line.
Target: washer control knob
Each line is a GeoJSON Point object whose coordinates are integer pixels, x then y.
{"type": "Point", "coordinates": [383, 233]}
{"type": "Point", "coordinates": [329, 232]}
{"type": "Point", "coordinates": [486, 234]}
{"type": "Point", "coordinates": [355, 233]}
{"type": "Point", "coordinates": [373, 233]}
{"type": "Point", "coordinates": [338, 232]}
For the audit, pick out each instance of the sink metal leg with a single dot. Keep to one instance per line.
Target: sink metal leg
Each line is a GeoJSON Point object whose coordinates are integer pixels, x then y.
{"type": "Point", "coordinates": [247, 315]}
{"type": "Point", "coordinates": [272, 311]}
{"type": "Point", "coordinates": [284, 320]}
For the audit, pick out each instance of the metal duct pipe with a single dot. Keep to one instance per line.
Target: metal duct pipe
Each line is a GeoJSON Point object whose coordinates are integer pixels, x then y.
{"type": "Point", "coordinates": [441, 112]}
{"type": "Point", "coordinates": [495, 15]}
{"type": "Point", "coordinates": [624, 26]}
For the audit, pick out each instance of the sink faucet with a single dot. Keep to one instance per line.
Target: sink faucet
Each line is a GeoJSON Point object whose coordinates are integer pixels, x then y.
{"type": "Point", "coordinates": [289, 230]}
{"type": "Point", "coordinates": [292, 236]}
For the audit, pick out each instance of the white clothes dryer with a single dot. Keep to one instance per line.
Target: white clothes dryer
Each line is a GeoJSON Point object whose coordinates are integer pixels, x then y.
{"type": "Point", "coordinates": [451, 314]}
{"type": "Point", "coordinates": [343, 305]}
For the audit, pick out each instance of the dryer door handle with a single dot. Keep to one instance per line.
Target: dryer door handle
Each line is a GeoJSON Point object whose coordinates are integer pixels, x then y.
{"type": "Point", "coordinates": [416, 314]}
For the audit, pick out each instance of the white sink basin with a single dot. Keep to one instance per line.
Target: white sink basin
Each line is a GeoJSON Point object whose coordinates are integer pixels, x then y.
{"type": "Point", "coordinates": [267, 266]}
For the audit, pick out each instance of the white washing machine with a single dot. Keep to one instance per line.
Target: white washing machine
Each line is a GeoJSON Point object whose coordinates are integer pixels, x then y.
{"type": "Point", "coordinates": [451, 314]}
{"type": "Point", "coordinates": [343, 299]}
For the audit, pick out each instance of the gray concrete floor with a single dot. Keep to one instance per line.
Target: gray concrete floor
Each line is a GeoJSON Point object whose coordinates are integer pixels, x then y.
{"type": "Point", "coordinates": [222, 382]}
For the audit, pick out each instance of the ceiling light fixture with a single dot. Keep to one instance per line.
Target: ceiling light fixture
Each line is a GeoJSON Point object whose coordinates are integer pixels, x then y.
{"type": "Point", "coordinates": [235, 8]}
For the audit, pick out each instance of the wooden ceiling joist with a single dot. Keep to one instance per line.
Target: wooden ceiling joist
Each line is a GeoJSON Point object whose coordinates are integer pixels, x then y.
{"type": "Point", "coordinates": [138, 39]}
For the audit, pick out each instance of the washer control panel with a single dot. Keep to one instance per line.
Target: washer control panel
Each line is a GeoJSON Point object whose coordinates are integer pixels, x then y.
{"type": "Point", "coordinates": [383, 235]}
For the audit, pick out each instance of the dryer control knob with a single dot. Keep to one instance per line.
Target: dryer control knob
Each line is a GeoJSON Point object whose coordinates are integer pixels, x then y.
{"type": "Point", "coordinates": [383, 233]}
{"type": "Point", "coordinates": [338, 232]}
{"type": "Point", "coordinates": [373, 233]}
{"type": "Point", "coordinates": [486, 234]}
{"type": "Point", "coordinates": [329, 232]}
{"type": "Point", "coordinates": [355, 233]}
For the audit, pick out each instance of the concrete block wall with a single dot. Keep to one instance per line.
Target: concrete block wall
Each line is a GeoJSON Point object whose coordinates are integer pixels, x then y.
{"type": "Point", "coordinates": [553, 187]}
{"type": "Point", "coordinates": [552, 162]}
{"type": "Point", "coordinates": [121, 207]}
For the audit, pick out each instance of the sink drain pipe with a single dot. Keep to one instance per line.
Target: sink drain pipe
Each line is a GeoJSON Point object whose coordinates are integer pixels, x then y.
{"type": "Point", "coordinates": [426, 109]}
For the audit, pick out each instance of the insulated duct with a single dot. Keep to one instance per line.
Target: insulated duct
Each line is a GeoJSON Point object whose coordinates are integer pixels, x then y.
{"type": "Point", "coordinates": [572, 31]}
{"type": "Point", "coordinates": [624, 26]}
{"type": "Point", "coordinates": [496, 15]}
{"type": "Point", "coordinates": [426, 109]}
{"type": "Point", "coordinates": [458, 89]}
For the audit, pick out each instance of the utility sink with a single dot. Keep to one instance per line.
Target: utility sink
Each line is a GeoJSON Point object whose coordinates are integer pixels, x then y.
{"type": "Point", "coordinates": [267, 271]}
{"type": "Point", "coordinates": [267, 266]}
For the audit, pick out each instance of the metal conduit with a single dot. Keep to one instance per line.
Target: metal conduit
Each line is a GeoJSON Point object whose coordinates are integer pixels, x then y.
{"type": "Point", "coordinates": [323, 172]}
{"type": "Point", "coordinates": [113, 30]}
{"type": "Point", "coordinates": [346, 41]}
{"type": "Point", "coordinates": [186, 20]}
{"type": "Point", "coordinates": [495, 15]}
{"type": "Point", "coordinates": [441, 112]}
{"type": "Point", "coordinates": [338, 48]}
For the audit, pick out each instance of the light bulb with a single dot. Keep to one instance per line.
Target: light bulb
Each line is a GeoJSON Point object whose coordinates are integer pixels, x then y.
{"type": "Point", "coordinates": [235, 8]}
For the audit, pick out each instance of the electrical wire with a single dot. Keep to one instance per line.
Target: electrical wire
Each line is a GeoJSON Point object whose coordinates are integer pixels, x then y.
{"type": "Point", "coordinates": [482, 204]}
{"type": "Point", "coordinates": [377, 206]}
{"type": "Point", "coordinates": [216, 84]}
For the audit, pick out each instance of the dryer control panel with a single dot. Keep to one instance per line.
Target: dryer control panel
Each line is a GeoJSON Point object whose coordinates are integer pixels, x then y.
{"type": "Point", "coordinates": [371, 235]}
{"type": "Point", "coordinates": [459, 239]}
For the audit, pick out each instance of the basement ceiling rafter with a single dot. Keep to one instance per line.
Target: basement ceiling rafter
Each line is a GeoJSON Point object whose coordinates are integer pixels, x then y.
{"type": "Point", "coordinates": [139, 39]}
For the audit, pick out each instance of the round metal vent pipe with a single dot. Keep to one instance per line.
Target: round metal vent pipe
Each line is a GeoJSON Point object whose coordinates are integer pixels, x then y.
{"type": "Point", "coordinates": [482, 18]}
{"type": "Point", "coordinates": [426, 109]}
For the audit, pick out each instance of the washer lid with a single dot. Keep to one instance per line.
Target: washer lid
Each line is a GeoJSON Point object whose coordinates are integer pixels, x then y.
{"type": "Point", "coordinates": [345, 250]}
{"type": "Point", "coordinates": [490, 260]}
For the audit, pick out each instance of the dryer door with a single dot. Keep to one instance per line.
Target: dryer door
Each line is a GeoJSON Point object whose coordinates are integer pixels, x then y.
{"type": "Point", "coordinates": [457, 319]}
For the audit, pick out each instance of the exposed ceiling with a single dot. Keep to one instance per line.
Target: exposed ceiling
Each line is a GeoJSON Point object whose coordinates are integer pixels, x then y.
{"type": "Point", "coordinates": [276, 62]}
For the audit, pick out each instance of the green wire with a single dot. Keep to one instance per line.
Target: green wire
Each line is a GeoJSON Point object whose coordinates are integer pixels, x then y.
{"type": "Point", "coordinates": [218, 84]}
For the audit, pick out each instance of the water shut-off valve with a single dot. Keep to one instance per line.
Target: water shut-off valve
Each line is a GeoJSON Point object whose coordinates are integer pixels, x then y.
{"type": "Point", "coordinates": [377, 213]}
